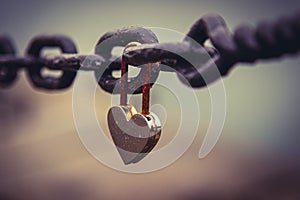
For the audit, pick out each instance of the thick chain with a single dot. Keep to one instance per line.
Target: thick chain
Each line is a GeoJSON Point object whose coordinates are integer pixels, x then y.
{"type": "Point", "coordinates": [246, 44]}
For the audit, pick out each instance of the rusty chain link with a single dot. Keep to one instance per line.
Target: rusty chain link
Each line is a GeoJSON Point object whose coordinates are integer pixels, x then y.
{"type": "Point", "coordinates": [246, 44]}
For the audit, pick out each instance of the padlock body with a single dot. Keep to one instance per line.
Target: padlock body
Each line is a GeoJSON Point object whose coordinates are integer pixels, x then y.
{"type": "Point", "coordinates": [134, 134]}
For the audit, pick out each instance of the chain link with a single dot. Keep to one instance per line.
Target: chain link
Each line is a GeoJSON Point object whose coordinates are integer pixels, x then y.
{"type": "Point", "coordinates": [246, 44]}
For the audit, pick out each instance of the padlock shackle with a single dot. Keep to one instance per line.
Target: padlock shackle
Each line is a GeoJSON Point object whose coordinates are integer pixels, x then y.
{"type": "Point", "coordinates": [146, 83]}
{"type": "Point", "coordinates": [124, 82]}
{"type": "Point", "coordinates": [124, 76]}
{"type": "Point", "coordinates": [146, 90]}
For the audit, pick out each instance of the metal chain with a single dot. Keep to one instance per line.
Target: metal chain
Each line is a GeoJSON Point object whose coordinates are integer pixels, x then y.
{"type": "Point", "coordinates": [246, 44]}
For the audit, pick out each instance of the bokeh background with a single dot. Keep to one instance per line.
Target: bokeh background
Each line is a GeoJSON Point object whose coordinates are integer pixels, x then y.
{"type": "Point", "coordinates": [257, 156]}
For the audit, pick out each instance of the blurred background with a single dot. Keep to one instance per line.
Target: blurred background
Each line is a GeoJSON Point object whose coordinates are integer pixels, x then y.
{"type": "Point", "coordinates": [257, 156]}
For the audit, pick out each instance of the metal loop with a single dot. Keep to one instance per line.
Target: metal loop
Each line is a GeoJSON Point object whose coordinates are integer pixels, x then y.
{"type": "Point", "coordinates": [245, 44]}
{"type": "Point", "coordinates": [34, 72]}
{"type": "Point", "coordinates": [121, 38]}
{"type": "Point", "coordinates": [213, 28]}
{"type": "Point", "coordinates": [8, 74]}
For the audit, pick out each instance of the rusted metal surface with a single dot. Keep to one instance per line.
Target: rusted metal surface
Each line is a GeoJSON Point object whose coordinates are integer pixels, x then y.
{"type": "Point", "coordinates": [246, 44]}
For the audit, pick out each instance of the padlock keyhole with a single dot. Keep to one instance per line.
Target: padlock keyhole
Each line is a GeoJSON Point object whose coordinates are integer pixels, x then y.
{"type": "Point", "coordinates": [148, 118]}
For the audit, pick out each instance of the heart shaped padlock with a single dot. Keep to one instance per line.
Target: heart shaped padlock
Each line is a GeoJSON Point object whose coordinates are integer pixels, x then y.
{"type": "Point", "coordinates": [134, 134]}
